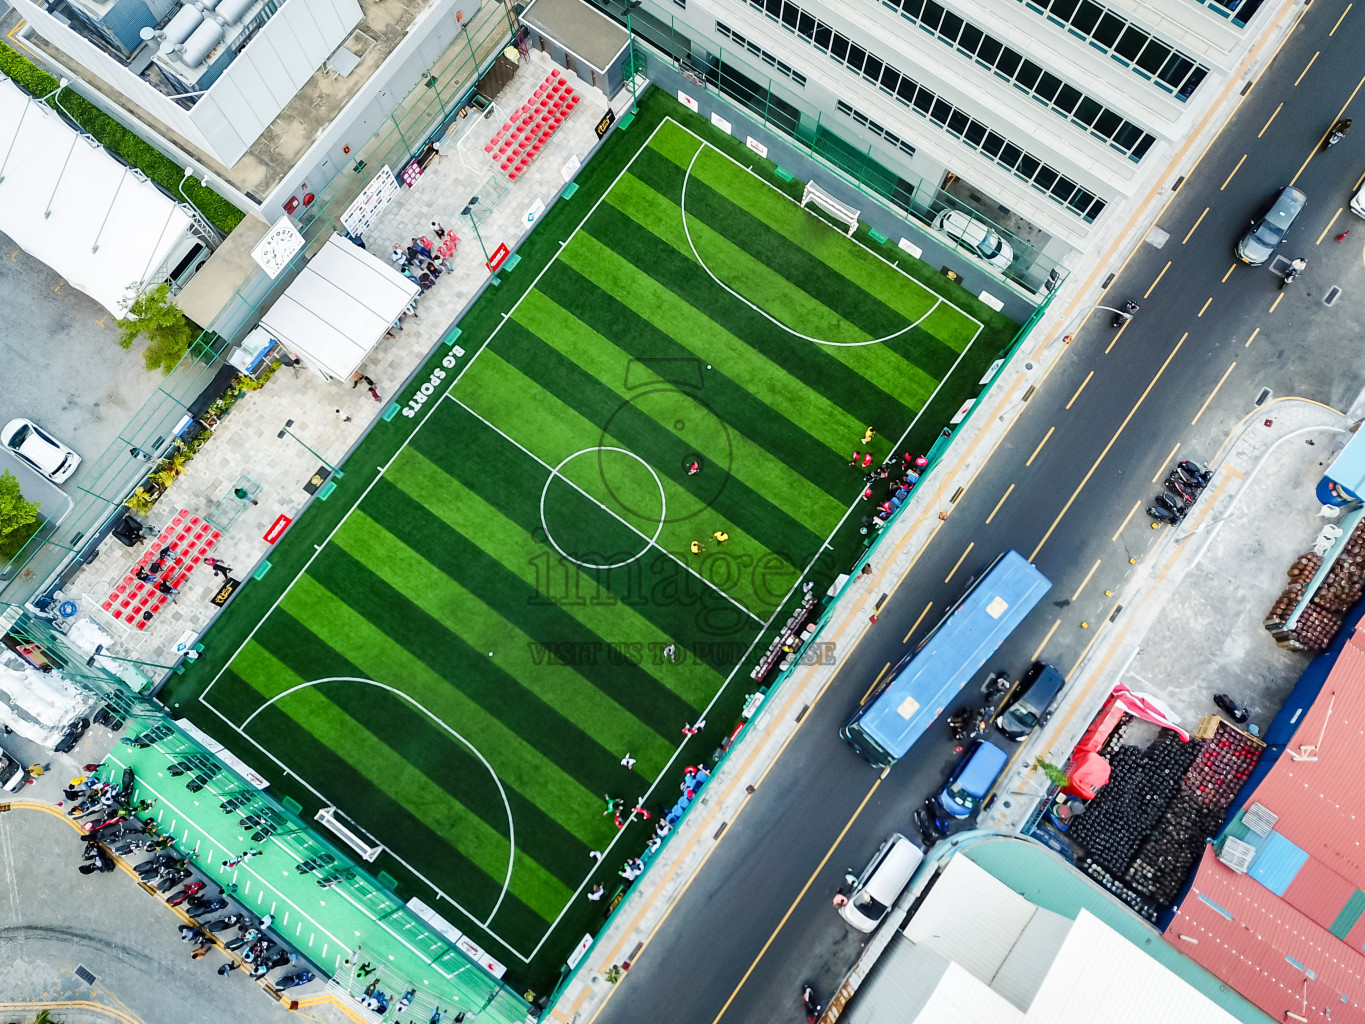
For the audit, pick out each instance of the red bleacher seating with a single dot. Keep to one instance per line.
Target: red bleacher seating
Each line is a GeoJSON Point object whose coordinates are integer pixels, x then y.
{"type": "Point", "coordinates": [525, 133]}
{"type": "Point", "coordinates": [191, 538]}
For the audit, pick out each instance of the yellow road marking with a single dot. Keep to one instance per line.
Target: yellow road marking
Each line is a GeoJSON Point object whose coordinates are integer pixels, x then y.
{"type": "Point", "coordinates": [1226, 375]}
{"type": "Point", "coordinates": [1165, 462]}
{"type": "Point", "coordinates": [1039, 652]}
{"type": "Point", "coordinates": [960, 561]}
{"type": "Point", "coordinates": [1234, 171]}
{"type": "Point", "coordinates": [1328, 227]}
{"type": "Point", "coordinates": [1205, 306]}
{"type": "Point", "coordinates": [1306, 67]}
{"type": "Point", "coordinates": [1123, 524]}
{"type": "Point", "coordinates": [1196, 224]}
{"type": "Point", "coordinates": [1228, 274]}
{"type": "Point", "coordinates": [1080, 389]}
{"type": "Point", "coordinates": [14, 39]}
{"type": "Point", "coordinates": [1272, 117]}
{"type": "Point", "coordinates": [1340, 20]}
{"type": "Point", "coordinates": [1084, 582]}
{"type": "Point", "coordinates": [874, 684]}
{"type": "Point", "coordinates": [800, 896]}
{"type": "Point", "coordinates": [1091, 472]}
{"type": "Point", "coordinates": [1316, 149]}
{"type": "Point", "coordinates": [1252, 338]}
{"type": "Point", "coordinates": [922, 614]}
{"type": "Point", "coordinates": [1159, 276]}
{"type": "Point", "coordinates": [1040, 446]}
{"type": "Point", "coordinates": [998, 504]}
{"type": "Point", "coordinates": [1278, 299]}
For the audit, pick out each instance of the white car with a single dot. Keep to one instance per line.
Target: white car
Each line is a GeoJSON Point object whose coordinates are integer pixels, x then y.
{"type": "Point", "coordinates": [40, 450]}
{"type": "Point", "coordinates": [977, 236]}
{"type": "Point", "coordinates": [11, 773]}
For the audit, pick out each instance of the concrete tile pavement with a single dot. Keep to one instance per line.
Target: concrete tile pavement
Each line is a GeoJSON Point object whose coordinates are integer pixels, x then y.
{"type": "Point", "coordinates": [246, 442]}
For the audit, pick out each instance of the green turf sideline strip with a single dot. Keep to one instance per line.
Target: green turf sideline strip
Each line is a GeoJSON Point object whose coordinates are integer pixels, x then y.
{"type": "Point", "coordinates": [651, 622]}
{"type": "Point", "coordinates": [564, 690]}
{"type": "Point", "coordinates": [601, 336]}
{"type": "Point", "coordinates": [460, 881]}
{"type": "Point", "coordinates": [874, 383]}
{"type": "Point", "coordinates": [407, 786]}
{"type": "Point", "coordinates": [428, 745]}
{"type": "Point", "coordinates": [774, 207]}
{"type": "Point", "coordinates": [518, 760]}
{"type": "Point", "coordinates": [726, 500]}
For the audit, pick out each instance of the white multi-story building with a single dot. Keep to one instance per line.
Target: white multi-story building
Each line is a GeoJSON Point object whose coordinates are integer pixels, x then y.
{"type": "Point", "coordinates": [1038, 115]}
{"type": "Point", "coordinates": [271, 99]}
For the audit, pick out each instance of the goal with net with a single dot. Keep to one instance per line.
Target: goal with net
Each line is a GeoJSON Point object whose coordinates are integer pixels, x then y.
{"type": "Point", "coordinates": [842, 212]}
{"type": "Point", "coordinates": [350, 833]}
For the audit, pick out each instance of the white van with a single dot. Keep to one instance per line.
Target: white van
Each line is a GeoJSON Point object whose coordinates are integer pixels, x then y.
{"type": "Point", "coordinates": [885, 876]}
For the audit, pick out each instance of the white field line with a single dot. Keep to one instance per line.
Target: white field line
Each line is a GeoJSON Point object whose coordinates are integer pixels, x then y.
{"type": "Point", "coordinates": [649, 543]}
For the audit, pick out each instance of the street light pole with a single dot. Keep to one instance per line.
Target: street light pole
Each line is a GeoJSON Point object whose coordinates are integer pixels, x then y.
{"type": "Point", "coordinates": [468, 211]}
{"type": "Point", "coordinates": [630, 31]}
{"type": "Point", "coordinates": [99, 653]}
{"type": "Point", "coordinates": [336, 473]}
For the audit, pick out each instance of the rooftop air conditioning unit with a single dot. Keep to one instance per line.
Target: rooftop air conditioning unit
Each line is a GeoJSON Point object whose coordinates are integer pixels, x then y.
{"type": "Point", "coordinates": [1237, 854]}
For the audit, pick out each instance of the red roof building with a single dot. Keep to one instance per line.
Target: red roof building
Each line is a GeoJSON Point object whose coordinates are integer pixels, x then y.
{"type": "Point", "coordinates": [1286, 925]}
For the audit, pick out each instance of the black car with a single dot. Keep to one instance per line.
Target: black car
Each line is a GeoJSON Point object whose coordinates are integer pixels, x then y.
{"type": "Point", "coordinates": [1030, 705]}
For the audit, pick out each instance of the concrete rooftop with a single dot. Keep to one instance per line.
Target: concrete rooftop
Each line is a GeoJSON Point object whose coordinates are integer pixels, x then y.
{"type": "Point", "coordinates": [316, 105]}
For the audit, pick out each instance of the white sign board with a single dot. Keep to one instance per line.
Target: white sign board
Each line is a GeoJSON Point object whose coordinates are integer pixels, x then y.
{"type": "Point", "coordinates": [570, 168]}
{"type": "Point", "coordinates": [361, 214]}
{"type": "Point", "coordinates": [278, 246]}
{"type": "Point", "coordinates": [757, 146]}
{"type": "Point", "coordinates": [687, 101]}
{"type": "Point", "coordinates": [720, 122]}
{"type": "Point", "coordinates": [533, 213]}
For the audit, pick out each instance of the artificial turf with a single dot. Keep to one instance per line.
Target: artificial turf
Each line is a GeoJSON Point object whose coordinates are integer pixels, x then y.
{"type": "Point", "coordinates": [469, 582]}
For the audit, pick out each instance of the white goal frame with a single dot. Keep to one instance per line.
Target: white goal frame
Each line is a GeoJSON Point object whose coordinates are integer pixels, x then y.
{"type": "Point", "coordinates": [839, 211]}
{"type": "Point", "coordinates": [349, 833]}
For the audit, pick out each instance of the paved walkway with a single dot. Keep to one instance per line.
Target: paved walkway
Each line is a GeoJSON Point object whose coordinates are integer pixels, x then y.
{"type": "Point", "coordinates": [246, 449]}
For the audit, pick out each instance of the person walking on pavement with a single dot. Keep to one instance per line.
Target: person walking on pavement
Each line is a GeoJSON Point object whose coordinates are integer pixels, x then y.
{"type": "Point", "coordinates": [242, 494]}
{"type": "Point", "coordinates": [216, 564]}
{"type": "Point", "coordinates": [37, 770]}
{"type": "Point", "coordinates": [345, 417]}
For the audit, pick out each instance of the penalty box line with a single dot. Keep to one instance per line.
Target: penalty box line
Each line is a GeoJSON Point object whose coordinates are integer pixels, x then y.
{"type": "Point", "coordinates": [649, 543]}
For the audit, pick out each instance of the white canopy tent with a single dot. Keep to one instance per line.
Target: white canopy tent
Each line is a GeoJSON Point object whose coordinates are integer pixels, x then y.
{"type": "Point", "coordinates": [101, 225]}
{"type": "Point", "coordinates": [338, 308]}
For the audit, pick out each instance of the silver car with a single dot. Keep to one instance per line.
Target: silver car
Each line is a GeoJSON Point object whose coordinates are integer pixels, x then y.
{"type": "Point", "coordinates": [977, 236]}
{"type": "Point", "coordinates": [1268, 230]}
{"type": "Point", "coordinates": [11, 773]}
{"type": "Point", "coordinates": [40, 450]}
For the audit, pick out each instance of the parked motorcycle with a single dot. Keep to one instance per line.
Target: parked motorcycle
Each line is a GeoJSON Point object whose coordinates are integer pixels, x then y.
{"type": "Point", "coordinates": [1122, 316]}
{"type": "Point", "coordinates": [294, 980]}
{"type": "Point", "coordinates": [1237, 712]}
{"type": "Point", "coordinates": [1161, 514]}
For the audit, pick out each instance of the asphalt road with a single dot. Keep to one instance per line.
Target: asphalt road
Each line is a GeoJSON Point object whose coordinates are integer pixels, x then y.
{"type": "Point", "coordinates": [1065, 488]}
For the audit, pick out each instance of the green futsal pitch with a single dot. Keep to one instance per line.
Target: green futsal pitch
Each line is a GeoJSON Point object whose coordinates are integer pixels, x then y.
{"type": "Point", "coordinates": [459, 660]}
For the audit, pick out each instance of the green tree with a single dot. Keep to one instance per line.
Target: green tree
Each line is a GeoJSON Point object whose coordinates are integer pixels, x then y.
{"type": "Point", "coordinates": [1054, 774]}
{"type": "Point", "coordinates": [168, 331]}
{"type": "Point", "coordinates": [15, 511]}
